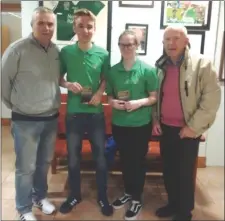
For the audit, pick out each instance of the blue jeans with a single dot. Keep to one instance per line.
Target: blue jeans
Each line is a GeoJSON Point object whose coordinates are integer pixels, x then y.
{"type": "Point", "coordinates": [34, 143]}
{"type": "Point", "coordinates": [76, 126]}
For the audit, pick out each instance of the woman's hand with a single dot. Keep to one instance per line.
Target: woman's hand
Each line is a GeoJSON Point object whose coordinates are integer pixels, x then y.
{"type": "Point", "coordinates": [133, 105]}
{"type": "Point", "coordinates": [118, 104]}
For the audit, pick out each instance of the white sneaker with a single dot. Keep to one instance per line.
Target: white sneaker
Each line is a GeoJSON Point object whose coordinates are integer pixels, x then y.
{"type": "Point", "coordinates": [27, 217]}
{"type": "Point", "coordinates": [46, 207]}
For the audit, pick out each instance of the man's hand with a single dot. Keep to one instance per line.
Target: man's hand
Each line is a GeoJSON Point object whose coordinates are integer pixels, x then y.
{"type": "Point", "coordinates": [156, 130]}
{"type": "Point", "coordinates": [117, 104]}
{"type": "Point", "coordinates": [96, 99]}
{"type": "Point", "coordinates": [187, 132]}
{"type": "Point", "coordinates": [74, 87]}
{"type": "Point", "coordinates": [132, 105]}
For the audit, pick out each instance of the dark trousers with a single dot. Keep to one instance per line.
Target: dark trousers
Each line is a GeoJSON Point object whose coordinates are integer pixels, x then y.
{"type": "Point", "coordinates": [132, 143]}
{"type": "Point", "coordinates": [76, 126]}
{"type": "Point", "coordinates": [179, 159]}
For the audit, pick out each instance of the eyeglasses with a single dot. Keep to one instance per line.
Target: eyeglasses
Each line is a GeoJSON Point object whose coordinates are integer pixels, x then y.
{"type": "Point", "coordinates": [128, 46]}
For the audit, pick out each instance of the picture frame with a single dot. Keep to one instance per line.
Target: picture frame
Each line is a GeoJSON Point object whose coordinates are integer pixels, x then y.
{"type": "Point", "coordinates": [194, 15]}
{"type": "Point", "coordinates": [221, 68]}
{"type": "Point", "coordinates": [64, 10]}
{"type": "Point", "coordinates": [197, 41]}
{"type": "Point", "coordinates": [136, 4]}
{"type": "Point", "coordinates": [141, 31]}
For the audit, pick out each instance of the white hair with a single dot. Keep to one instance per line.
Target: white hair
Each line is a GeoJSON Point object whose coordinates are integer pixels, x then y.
{"type": "Point", "coordinates": [40, 9]}
{"type": "Point", "coordinates": [177, 27]}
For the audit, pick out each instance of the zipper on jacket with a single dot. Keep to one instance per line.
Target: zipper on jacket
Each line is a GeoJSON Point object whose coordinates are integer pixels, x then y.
{"type": "Point", "coordinates": [181, 99]}
{"type": "Point", "coordinates": [161, 95]}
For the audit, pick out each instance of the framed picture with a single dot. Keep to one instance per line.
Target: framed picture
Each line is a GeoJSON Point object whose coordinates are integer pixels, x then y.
{"type": "Point", "coordinates": [64, 10]}
{"type": "Point", "coordinates": [136, 4]}
{"type": "Point", "coordinates": [197, 41]}
{"type": "Point", "coordinates": [194, 15]}
{"type": "Point", "coordinates": [141, 31]}
{"type": "Point", "coordinates": [221, 68]}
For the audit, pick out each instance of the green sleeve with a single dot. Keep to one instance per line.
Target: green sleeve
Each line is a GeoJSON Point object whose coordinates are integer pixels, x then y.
{"type": "Point", "coordinates": [62, 63]}
{"type": "Point", "coordinates": [94, 6]}
{"type": "Point", "coordinates": [59, 7]}
{"type": "Point", "coordinates": [151, 79]}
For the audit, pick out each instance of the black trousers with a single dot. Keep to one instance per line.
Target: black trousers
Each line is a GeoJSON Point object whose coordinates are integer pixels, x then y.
{"type": "Point", "coordinates": [132, 143]}
{"type": "Point", "coordinates": [179, 159]}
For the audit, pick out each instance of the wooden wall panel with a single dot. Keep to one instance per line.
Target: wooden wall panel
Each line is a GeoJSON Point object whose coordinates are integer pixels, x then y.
{"type": "Point", "coordinates": [10, 7]}
{"type": "Point", "coordinates": [5, 38]}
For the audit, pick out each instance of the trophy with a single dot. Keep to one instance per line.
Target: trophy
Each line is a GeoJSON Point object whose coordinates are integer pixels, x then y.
{"type": "Point", "coordinates": [86, 95]}
{"type": "Point", "coordinates": [123, 95]}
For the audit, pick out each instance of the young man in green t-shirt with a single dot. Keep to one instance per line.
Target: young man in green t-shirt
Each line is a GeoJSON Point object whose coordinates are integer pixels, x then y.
{"type": "Point", "coordinates": [85, 63]}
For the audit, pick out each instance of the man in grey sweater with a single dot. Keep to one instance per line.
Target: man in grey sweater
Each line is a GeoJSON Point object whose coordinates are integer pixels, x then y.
{"type": "Point", "coordinates": [30, 75]}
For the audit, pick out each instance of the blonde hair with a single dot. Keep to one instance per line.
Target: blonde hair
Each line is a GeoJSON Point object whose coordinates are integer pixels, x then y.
{"type": "Point", "coordinates": [84, 12]}
{"type": "Point", "coordinates": [40, 9]}
{"type": "Point", "coordinates": [129, 32]}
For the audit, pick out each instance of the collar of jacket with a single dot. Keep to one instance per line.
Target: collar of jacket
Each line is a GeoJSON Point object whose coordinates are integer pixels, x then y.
{"type": "Point", "coordinates": [164, 60]}
{"type": "Point", "coordinates": [36, 42]}
{"type": "Point", "coordinates": [178, 63]}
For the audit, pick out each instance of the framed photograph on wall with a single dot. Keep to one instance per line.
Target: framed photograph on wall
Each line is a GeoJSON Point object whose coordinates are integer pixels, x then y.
{"type": "Point", "coordinates": [141, 31]}
{"type": "Point", "coordinates": [197, 41]}
{"type": "Point", "coordinates": [194, 15]}
{"type": "Point", "coordinates": [136, 4]}
{"type": "Point", "coordinates": [64, 10]}
{"type": "Point", "coordinates": [221, 68]}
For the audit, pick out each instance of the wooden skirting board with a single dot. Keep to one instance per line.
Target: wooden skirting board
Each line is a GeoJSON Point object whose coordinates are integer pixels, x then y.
{"type": "Point", "coordinates": [6, 121]}
{"type": "Point", "coordinates": [201, 160]}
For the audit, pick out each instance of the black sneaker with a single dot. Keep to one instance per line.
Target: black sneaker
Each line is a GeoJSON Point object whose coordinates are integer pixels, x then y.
{"type": "Point", "coordinates": [120, 202]}
{"type": "Point", "coordinates": [68, 205]}
{"type": "Point", "coordinates": [106, 208]}
{"type": "Point", "coordinates": [165, 211]}
{"type": "Point", "coordinates": [133, 211]}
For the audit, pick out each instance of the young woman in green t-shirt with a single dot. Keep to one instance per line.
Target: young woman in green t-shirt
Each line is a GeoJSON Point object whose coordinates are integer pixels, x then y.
{"type": "Point", "coordinates": [131, 87]}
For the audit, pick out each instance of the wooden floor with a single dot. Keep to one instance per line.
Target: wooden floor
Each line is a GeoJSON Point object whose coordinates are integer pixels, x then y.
{"type": "Point", "coordinates": [209, 192]}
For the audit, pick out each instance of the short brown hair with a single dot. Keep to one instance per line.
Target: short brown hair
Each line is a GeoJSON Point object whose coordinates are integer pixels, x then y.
{"type": "Point", "coordinates": [84, 12]}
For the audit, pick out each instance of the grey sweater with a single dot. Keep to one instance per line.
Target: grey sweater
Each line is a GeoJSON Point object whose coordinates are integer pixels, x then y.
{"type": "Point", "coordinates": [30, 76]}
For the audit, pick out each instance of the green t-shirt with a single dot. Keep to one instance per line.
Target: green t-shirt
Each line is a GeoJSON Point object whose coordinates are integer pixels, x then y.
{"type": "Point", "coordinates": [86, 68]}
{"type": "Point", "coordinates": [131, 85]}
{"type": "Point", "coordinates": [65, 13]}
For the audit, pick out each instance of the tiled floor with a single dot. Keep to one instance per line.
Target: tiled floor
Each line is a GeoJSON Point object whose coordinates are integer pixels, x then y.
{"type": "Point", "coordinates": [209, 192]}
